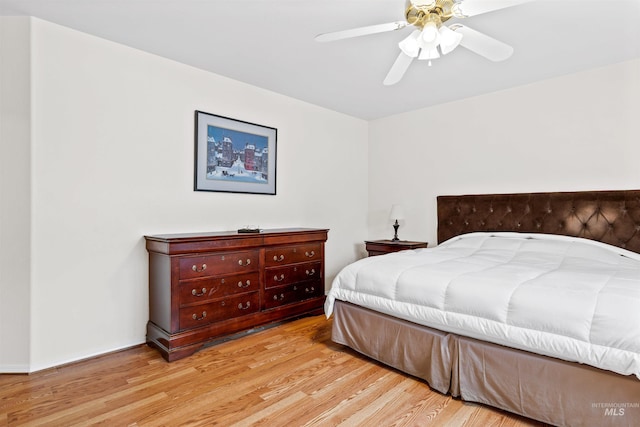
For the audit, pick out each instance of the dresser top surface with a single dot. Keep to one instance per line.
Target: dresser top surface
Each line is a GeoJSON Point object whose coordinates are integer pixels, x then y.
{"type": "Point", "coordinates": [213, 235]}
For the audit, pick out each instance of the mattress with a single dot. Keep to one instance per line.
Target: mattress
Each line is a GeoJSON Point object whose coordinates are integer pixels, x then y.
{"type": "Point", "coordinates": [558, 296]}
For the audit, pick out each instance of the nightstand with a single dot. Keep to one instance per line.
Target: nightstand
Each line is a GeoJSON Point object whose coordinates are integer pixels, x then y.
{"type": "Point", "coordinates": [381, 247]}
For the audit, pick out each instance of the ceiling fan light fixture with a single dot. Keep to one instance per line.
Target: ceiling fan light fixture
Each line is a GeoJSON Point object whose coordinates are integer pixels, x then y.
{"type": "Point", "coordinates": [430, 34]}
{"type": "Point", "coordinates": [449, 39]}
{"type": "Point", "coordinates": [429, 54]}
{"type": "Point", "coordinates": [430, 38]}
{"type": "Point", "coordinates": [410, 46]}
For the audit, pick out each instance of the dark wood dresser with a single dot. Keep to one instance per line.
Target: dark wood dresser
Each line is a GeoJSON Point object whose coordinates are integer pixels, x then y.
{"type": "Point", "coordinates": [204, 287]}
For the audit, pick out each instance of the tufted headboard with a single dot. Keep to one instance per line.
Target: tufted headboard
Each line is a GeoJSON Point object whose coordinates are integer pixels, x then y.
{"type": "Point", "coordinates": [611, 217]}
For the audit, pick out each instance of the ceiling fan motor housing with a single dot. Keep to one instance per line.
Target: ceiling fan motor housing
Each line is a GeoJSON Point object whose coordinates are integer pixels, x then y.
{"type": "Point", "coordinates": [419, 12]}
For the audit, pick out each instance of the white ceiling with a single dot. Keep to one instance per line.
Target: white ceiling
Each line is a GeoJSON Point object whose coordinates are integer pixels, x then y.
{"type": "Point", "coordinates": [269, 44]}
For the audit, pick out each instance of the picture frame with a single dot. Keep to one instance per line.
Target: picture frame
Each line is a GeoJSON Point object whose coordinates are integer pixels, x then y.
{"type": "Point", "coordinates": [234, 156]}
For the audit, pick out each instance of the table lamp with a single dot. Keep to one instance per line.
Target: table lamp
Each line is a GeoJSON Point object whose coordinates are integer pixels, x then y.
{"type": "Point", "coordinates": [396, 214]}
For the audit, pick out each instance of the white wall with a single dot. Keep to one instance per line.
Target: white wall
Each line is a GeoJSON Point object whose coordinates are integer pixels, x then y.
{"type": "Point", "coordinates": [577, 132]}
{"type": "Point", "coordinates": [112, 160]}
{"type": "Point", "coordinates": [15, 195]}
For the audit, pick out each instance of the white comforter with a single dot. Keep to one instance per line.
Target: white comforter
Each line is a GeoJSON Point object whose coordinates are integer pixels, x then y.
{"type": "Point", "coordinates": [570, 298]}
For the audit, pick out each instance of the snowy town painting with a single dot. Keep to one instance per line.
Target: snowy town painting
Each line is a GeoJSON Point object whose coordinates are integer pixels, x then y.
{"type": "Point", "coordinates": [237, 156]}
{"type": "Point", "coordinates": [234, 156]}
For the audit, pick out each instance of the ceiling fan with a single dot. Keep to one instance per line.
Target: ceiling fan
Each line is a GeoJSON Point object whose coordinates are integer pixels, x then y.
{"type": "Point", "coordinates": [431, 38]}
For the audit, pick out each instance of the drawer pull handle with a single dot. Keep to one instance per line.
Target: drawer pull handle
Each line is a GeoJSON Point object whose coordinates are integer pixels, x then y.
{"type": "Point", "coordinates": [194, 292]}
{"type": "Point", "coordinates": [278, 258]}
{"type": "Point", "coordinates": [276, 298]}
{"type": "Point", "coordinates": [280, 279]}
{"type": "Point", "coordinates": [311, 273]}
{"type": "Point", "coordinates": [199, 270]}
{"type": "Point", "coordinates": [195, 316]}
{"type": "Point", "coordinates": [240, 307]}
{"type": "Point", "coordinates": [310, 254]}
{"type": "Point", "coordinates": [240, 262]}
{"type": "Point", "coordinates": [307, 290]}
{"type": "Point", "coordinates": [246, 285]}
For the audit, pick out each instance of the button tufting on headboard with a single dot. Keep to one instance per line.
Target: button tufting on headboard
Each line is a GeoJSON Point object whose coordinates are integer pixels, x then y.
{"type": "Point", "coordinates": [612, 217]}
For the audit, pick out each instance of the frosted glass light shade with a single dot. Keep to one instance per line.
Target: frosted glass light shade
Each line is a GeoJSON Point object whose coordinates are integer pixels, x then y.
{"type": "Point", "coordinates": [430, 35]}
{"type": "Point", "coordinates": [449, 39]}
{"type": "Point", "coordinates": [410, 45]}
{"type": "Point", "coordinates": [429, 54]}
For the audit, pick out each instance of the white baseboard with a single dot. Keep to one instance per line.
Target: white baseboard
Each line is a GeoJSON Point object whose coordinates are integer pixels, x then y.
{"type": "Point", "coordinates": [80, 358]}
{"type": "Point", "coordinates": [28, 369]}
{"type": "Point", "coordinates": [14, 369]}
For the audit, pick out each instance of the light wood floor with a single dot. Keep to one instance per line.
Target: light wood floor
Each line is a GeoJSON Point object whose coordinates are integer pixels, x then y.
{"type": "Point", "coordinates": [290, 375]}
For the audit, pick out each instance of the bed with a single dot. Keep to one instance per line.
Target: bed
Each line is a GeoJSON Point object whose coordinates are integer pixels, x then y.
{"type": "Point", "coordinates": [530, 303]}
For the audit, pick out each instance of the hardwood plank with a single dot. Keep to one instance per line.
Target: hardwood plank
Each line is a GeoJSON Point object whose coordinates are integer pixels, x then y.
{"type": "Point", "coordinates": [290, 375]}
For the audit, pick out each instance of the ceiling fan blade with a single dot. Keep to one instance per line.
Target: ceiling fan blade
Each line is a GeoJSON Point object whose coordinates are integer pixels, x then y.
{"type": "Point", "coordinates": [362, 31]}
{"type": "Point", "coordinates": [468, 8]}
{"type": "Point", "coordinates": [399, 67]}
{"type": "Point", "coordinates": [482, 44]}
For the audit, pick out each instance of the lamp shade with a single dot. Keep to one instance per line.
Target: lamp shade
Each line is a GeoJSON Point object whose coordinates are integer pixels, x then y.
{"type": "Point", "coordinates": [410, 46]}
{"type": "Point", "coordinates": [430, 36]}
{"type": "Point", "coordinates": [396, 212]}
{"type": "Point", "coordinates": [449, 39]}
{"type": "Point", "coordinates": [429, 54]}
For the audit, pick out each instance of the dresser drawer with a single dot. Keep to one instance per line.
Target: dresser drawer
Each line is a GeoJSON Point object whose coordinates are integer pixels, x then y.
{"type": "Point", "coordinates": [223, 263]}
{"type": "Point", "coordinates": [234, 306]}
{"type": "Point", "coordinates": [201, 290]}
{"type": "Point", "coordinates": [292, 254]}
{"type": "Point", "coordinates": [278, 276]}
{"type": "Point", "coordinates": [275, 297]}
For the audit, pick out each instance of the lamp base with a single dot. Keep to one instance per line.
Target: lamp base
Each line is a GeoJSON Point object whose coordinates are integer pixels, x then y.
{"type": "Point", "coordinates": [395, 232]}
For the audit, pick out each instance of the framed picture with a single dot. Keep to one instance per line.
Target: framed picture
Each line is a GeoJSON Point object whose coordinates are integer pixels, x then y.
{"type": "Point", "coordinates": [234, 156]}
